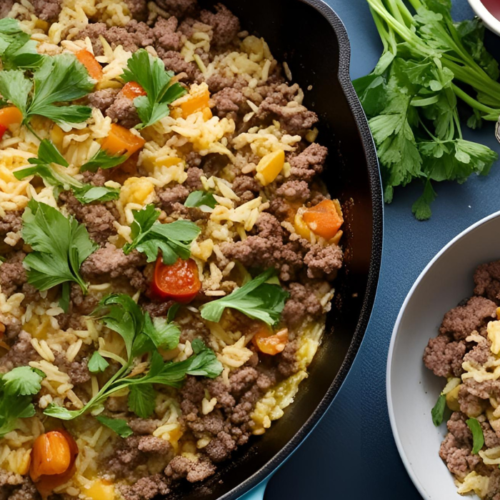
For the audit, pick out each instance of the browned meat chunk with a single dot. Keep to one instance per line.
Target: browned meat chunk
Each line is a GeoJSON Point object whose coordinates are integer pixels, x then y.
{"type": "Point", "coordinates": [181, 467]}
{"type": "Point", "coordinates": [171, 197]}
{"type": "Point", "coordinates": [124, 112]}
{"type": "Point", "coordinates": [225, 25]}
{"type": "Point", "coordinates": [138, 8]}
{"type": "Point", "coordinates": [463, 320]}
{"type": "Point", "coordinates": [296, 191]}
{"type": "Point", "coordinates": [323, 262]}
{"type": "Point", "coordinates": [470, 405]}
{"type": "Point", "coordinates": [179, 8]}
{"type": "Point", "coordinates": [302, 302]}
{"type": "Point", "coordinates": [165, 33]}
{"type": "Point", "coordinates": [288, 363]}
{"type": "Point", "coordinates": [487, 281]}
{"type": "Point", "coordinates": [193, 182]}
{"type": "Point", "coordinates": [309, 163]}
{"type": "Point", "coordinates": [444, 357]}
{"type": "Point", "coordinates": [12, 274]}
{"type": "Point", "coordinates": [110, 262]}
{"type": "Point", "coordinates": [97, 217]}
{"type": "Point", "coordinates": [146, 488]}
{"type": "Point", "coordinates": [227, 101]}
{"type": "Point", "coordinates": [175, 62]}
{"type": "Point", "coordinates": [11, 222]}
{"type": "Point", "coordinates": [20, 354]}
{"type": "Point", "coordinates": [47, 9]}
{"type": "Point", "coordinates": [5, 7]}
{"type": "Point", "coordinates": [103, 99]}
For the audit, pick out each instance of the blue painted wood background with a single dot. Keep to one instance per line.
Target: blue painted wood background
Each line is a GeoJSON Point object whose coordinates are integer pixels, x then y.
{"type": "Point", "coordinates": [351, 454]}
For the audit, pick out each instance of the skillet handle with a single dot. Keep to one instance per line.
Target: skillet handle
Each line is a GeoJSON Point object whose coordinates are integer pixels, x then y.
{"type": "Point", "coordinates": [257, 493]}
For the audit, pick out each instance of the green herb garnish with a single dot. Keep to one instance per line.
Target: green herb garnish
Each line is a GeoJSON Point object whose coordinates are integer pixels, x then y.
{"type": "Point", "coordinates": [16, 390]}
{"type": "Point", "coordinates": [121, 314]}
{"type": "Point", "coordinates": [411, 96]}
{"type": "Point", "coordinates": [16, 48]}
{"type": "Point", "coordinates": [60, 245]}
{"type": "Point", "coordinates": [117, 425]}
{"type": "Point", "coordinates": [201, 199]}
{"type": "Point", "coordinates": [149, 72]}
{"type": "Point", "coordinates": [42, 167]}
{"type": "Point", "coordinates": [257, 299]}
{"type": "Point", "coordinates": [149, 236]}
{"type": "Point", "coordinates": [477, 435]}
{"type": "Point", "coordinates": [59, 79]}
{"type": "Point", "coordinates": [439, 410]}
{"type": "Point", "coordinates": [97, 364]}
{"type": "Point", "coordinates": [102, 160]}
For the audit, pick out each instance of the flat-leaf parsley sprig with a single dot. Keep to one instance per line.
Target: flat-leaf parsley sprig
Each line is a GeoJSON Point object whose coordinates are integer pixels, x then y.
{"type": "Point", "coordinates": [150, 237]}
{"type": "Point", "coordinates": [149, 72]}
{"type": "Point", "coordinates": [58, 80]}
{"type": "Point", "coordinates": [43, 166]}
{"type": "Point", "coordinates": [60, 245]}
{"type": "Point", "coordinates": [142, 335]}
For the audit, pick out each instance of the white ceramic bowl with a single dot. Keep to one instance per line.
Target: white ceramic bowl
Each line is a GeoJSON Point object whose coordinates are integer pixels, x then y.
{"type": "Point", "coordinates": [412, 389]}
{"type": "Point", "coordinates": [487, 17]}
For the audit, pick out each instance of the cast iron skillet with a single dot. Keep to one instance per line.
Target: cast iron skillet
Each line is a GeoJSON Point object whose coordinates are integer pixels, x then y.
{"type": "Point", "coordinates": [312, 39]}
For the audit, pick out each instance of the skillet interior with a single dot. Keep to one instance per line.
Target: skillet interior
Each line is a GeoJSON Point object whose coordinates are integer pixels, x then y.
{"type": "Point", "coordinates": [311, 38]}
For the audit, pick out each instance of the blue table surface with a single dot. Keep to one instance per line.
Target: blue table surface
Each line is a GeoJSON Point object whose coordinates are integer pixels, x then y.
{"type": "Point", "coordinates": [352, 454]}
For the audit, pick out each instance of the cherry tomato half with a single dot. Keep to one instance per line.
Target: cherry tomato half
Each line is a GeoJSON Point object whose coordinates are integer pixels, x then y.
{"type": "Point", "coordinates": [179, 281]}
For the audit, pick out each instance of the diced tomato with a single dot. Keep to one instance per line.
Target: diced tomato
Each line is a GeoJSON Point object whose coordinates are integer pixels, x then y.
{"type": "Point", "coordinates": [3, 129]}
{"type": "Point", "coordinates": [121, 141]}
{"type": "Point", "coordinates": [131, 90]}
{"type": "Point", "coordinates": [53, 460]}
{"type": "Point", "coordinates": [91, 64]}
{"type": "Point", "coordinates": [269, 343]}
{"type": "Point", "coordinates": [325, 219]}
{"type": "Point", "coordinates": [179, 281]}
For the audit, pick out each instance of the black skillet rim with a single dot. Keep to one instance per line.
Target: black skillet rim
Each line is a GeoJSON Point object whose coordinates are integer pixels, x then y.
{"type": "Point", "coordinates": [375, 263]}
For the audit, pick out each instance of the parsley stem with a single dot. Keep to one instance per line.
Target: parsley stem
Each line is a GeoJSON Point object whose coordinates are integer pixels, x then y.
{"type": "Point", "coordinates": [30, 128]}
{"type": "Point", "coordinates": [473, 103]}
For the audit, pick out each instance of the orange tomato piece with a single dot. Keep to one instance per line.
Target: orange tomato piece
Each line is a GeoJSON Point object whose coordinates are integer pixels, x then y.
{"type": "Point", "coordinates": [91, 64]}
{"type": "Point", "coordinates": [198, 101]}
{"type": "Point", "coordinates": [269, 343]}
{"type": "Point", "coordinates": [52, 454]}
{"type": "Point", "coordinates": [179, 281]}
{"type": "Point", "coordinates": [131, 90]}
{"type": "Point", "coordinates": [10, 116]}
{"type": "Point", "coordinates": [121, 141]}
{"type": "Point", "coordinates": [324, 219]}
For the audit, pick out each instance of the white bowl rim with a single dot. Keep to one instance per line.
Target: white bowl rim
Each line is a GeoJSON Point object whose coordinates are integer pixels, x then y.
{"type": "Point", "coordinates": [390, 405]}
{"type": "Point", "coordinates": [485, 15]}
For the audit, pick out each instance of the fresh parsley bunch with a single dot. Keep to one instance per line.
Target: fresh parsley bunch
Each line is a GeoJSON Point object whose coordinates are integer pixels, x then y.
{"type": "Point", "coordinates": [42, 167]}
{"type": "Point", "coordinates": [149, 72]}
{"type": "Point", "coordinates": [57, 80]}
{"type": "Point", "coordinates": [17, 388]}
{"type": "Point", "coordinates": [141, 335]}
{"type": "Point", "coordinates": [60, 245]}
{"type": "Point", "coordinates": [149, 236]}
{"type": "Point", "coordinates": [411, 96]}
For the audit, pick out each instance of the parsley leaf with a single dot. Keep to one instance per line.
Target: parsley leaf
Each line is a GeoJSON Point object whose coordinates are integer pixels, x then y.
{"type": "Point", "coordinates": [149, 72]}
{"type": "Point", "coordinates": [59, 79]}
{"type": "Point", "coordinates": [477, 435]}
{"type": "Point", "coordinates": [201, 199]}
{"type": "Point", "coordinates": [48, 155]}
{"type": "Point", "coordinates": [97, 364]}
{"type": "Point", "coordinates": [102, 160]}
{"type": "Point", "coordinates": [16, 390]}
{"type": "Point", "coordinates": [163, 334]}
{"type": "Point", "coordinates": [256, 299]}
{"type": "Point", "coordinates": [117, 425]}
{"type": "Point", "coordinates": [142, 400]}
{"type": "Point", "coordinates": [439, 410]}
{"type": "Point", "coordinates": [60, 245]}
{"type": "Point", "coordinates": [22, 381]}
{"type": "Point", "coordinates": [16, 48]}
{"type": "Point", "coordinates": [149, 236]}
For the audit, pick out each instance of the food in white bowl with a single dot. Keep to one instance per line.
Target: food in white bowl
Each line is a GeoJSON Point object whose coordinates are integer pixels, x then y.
{"type": "Point", "coordinates": [413, 389]}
